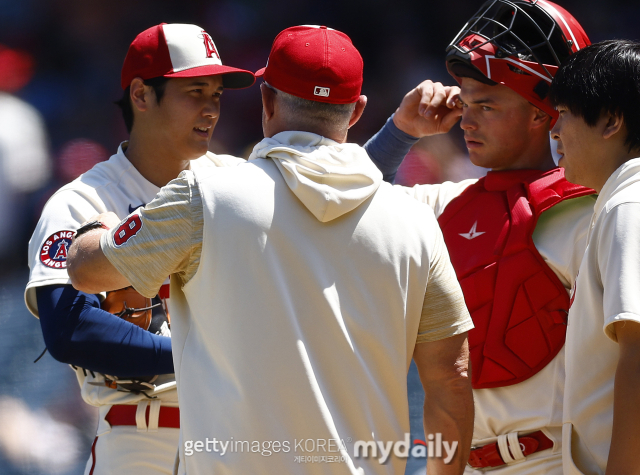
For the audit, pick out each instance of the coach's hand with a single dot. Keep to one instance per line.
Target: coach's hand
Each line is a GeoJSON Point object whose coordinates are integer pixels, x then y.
{"type": "Point", "coordinates": [429, 109]}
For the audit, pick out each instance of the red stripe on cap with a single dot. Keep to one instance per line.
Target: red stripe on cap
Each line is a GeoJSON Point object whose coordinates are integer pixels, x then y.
{"type": "Point", "coordinates": [148, 56]}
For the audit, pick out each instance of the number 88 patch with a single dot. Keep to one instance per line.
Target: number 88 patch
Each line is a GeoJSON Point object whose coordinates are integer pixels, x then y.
{"type": "Point", "coordinates": [129, 228]}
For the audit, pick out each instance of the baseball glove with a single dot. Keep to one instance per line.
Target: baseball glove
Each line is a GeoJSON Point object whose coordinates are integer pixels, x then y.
{"type": "Point", "coordinates": [129, 305]}
{"type": "Point", "coordinates": [148, 314]}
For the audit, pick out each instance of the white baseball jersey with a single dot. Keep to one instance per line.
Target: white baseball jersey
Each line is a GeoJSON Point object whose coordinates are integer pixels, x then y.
{"type": "Point", "coordinates": [606, 291]}
{"type": "Point", "coordinates": [294, 332]}
{"type": "Point", "coordinates": [114, 185]}
{"type": "Point", "coordinates": [560, 237]}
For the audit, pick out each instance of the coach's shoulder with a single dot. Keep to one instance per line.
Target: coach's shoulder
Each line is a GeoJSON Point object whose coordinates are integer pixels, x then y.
{"type": "Point", "coordinates": [214, 160]}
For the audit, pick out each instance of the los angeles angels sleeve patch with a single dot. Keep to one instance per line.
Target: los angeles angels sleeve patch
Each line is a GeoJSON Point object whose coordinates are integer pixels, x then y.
{"type": "Point", "coordinates": [53, 252]}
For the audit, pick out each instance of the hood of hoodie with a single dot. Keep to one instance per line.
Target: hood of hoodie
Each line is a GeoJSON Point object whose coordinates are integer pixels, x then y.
{"type": "Point", "coordinates": [328, 177]}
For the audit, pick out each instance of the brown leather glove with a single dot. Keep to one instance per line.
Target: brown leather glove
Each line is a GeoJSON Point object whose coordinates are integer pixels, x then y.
{"type": "Point", "coordinates": [128, 304]}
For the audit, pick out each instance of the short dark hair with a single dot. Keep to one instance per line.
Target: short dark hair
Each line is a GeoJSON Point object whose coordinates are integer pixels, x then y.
{"type": "Point", "coordinates": [321, 117]}
{"type": "Point", "coordinates": [599, 79]}
{"type": "Point", "coordinates": [158, 84]}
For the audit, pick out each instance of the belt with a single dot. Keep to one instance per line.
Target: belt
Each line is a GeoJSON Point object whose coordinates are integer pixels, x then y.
{"type": "Point", "coordinates": [125, 415]}
{"type": "Point", "coordinates": [509, 448]}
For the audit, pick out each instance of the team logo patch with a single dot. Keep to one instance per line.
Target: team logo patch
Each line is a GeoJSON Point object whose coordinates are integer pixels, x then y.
{"type": "Point", "coordinates": [472, 234]}
{"type": "Point", "coordinates": [321, 91]}
{"type": "Point", "coordinates": [53, 252]}
{"type": "Point", "coordinates": [208, 44]}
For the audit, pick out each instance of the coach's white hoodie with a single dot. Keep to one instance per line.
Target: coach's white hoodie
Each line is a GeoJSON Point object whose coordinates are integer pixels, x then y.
{"type": "Point", "coordinates": [329, 178]}
{"type": "Point", "coordinates": [299, 326]}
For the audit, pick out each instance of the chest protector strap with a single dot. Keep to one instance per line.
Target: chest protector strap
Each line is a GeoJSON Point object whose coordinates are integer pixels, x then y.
{"type": "Point", "coordinates": [518, 304]}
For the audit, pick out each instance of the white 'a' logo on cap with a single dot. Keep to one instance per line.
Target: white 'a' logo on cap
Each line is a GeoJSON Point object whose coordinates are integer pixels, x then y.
{"type": "Point", "coordinates": [190, 47]}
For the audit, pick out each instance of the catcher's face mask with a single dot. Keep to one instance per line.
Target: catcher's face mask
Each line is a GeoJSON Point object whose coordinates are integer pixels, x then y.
{"type": "Point", "coordinates": [519, 44]}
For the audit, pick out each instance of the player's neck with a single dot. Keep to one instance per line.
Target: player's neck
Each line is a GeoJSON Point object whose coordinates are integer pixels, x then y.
{"type": "Point", "coordinates": [537, 156]}
{"type": "Point", "coordinates": [155, 163]}
{"type": "Point", "coordinates": [543, 165]}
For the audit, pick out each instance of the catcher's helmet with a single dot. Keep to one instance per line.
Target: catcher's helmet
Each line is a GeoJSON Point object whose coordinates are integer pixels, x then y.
{"type": "Point", "coordinates": [517, 43]}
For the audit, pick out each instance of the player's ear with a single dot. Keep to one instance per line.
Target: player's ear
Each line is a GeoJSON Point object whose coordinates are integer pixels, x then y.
{"type": "Point", "coordinates": [540, 117]}
{"type": "Point", "coordinates": [357, 112]}
{"type": "Point", "coordinates": [612, 124]}
{"type": "Point", "coordinates": [268, 101]}
{"type": "Point", "coordinates": [139, 94]}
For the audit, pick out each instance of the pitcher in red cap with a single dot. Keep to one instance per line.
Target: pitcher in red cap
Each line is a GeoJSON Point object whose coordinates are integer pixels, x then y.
{"type": "Point", "coordinates": [172, 79]}
{"type": "Point", "coordinates": [302, 285]}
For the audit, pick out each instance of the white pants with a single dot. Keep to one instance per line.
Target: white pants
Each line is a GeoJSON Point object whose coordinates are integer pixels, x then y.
{"type": "Point", "coordinates": [126, 451]}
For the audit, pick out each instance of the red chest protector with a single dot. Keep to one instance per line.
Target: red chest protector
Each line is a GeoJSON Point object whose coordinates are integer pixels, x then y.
{"type": "Point", "coordinates": [518, 304]}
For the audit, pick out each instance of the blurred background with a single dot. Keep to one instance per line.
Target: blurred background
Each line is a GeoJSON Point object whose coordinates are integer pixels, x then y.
{"type": "Point", "coordinates": [60, 66]}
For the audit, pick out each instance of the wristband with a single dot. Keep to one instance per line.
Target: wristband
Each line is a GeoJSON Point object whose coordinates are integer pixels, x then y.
{"type": "Point", "coordinates": [89, 226]}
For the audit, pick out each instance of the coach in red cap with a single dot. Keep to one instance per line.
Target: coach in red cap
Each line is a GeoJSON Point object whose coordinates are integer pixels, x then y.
{"type": "Point", "coordinates": [301, 287]}
{"type": "Point", "coordinates": [318, 70]}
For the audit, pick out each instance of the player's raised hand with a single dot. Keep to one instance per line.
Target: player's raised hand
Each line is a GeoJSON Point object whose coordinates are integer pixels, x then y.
{"type": "Point", "coordinates": [429, 109]}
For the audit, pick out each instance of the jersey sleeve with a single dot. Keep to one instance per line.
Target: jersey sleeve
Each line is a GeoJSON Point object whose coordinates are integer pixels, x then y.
{"type": "Point", "coordinates": [437, 196]}
{"type": "Point", "coordinates": [163, 238]}
{"type": "Point", "coordinates": [618, 262]}
{"type": "Point", "coordinates": [65, 211]}
{"type": "Point", "coordinates": [444, 312]}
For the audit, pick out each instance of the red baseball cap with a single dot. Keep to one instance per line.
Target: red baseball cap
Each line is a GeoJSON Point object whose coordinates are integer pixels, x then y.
{"type": "Point", "coordinates": [179, 51]}
{"type": "Point", "coordinates": [315, 63]}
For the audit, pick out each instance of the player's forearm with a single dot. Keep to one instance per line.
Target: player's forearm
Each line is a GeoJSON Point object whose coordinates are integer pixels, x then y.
{"type": "Point", "coordinates": [624, 458]}
{"type": "Point", "coordinates": [448, 410]}
{"type": "Point", "coordinates": [76, 331]}
{"type": "Point", "coordinates": [388, 148]}
{"type": "Point", "coordinates": [443, 366]}
{"type": "Point", "coordinates": [89, 269]}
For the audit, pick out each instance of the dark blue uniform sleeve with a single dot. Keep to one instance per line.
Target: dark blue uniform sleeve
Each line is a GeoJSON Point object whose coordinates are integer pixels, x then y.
{"type": "Point", "coordinates": [77, 332]}
{"type": "Point", "coordinates": [388, 148]}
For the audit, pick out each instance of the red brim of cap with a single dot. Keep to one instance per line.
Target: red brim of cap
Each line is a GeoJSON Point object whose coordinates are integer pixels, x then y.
{"type": "Point", "coordinates": [260, 72]}
{"type": "Point", "coordinates": [232, 78]}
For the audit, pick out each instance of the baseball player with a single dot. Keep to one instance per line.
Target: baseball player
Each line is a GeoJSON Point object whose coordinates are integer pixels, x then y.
{"type": "Point", "coordinates": [598, 134]}
{"type": "Point", "coordinates": [516, 237]}
{"type": "Point", "coordinates": [298, 288]}
{"type": "Point", "coordinates": [172, 78]}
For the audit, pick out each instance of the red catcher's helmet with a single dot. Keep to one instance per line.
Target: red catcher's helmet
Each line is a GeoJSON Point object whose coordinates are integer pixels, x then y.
{"type": "Point", "coordinates": [520, 44]}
